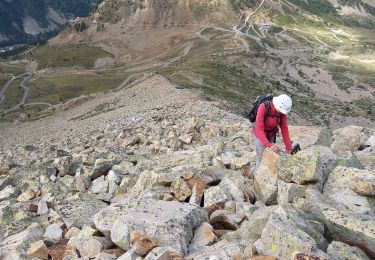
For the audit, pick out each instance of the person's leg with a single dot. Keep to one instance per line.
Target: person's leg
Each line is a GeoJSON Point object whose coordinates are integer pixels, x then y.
{"type": "Point", "coordinates": [259, 147]}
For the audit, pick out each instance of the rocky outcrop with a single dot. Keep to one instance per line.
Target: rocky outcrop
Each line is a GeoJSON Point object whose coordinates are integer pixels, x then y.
{"type": "Point", "coordinates": [170, 223]}
{"type": "Point", "coordinates": [343, 224]}
{"type": "Point", "coordinates": [338, 189]}
{"type": "Point", "coordinates": [265, 180]}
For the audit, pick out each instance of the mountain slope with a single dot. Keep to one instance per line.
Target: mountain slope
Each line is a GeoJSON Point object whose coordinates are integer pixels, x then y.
{"type": "Point", "coordinates": [23, 20]}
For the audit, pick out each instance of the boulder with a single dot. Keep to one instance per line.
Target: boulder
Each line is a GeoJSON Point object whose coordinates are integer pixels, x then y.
{"type": "Point", "coordinates": [367, 157]}
{"type": "Point", "coordinates": [101, 167]}
{"type": "Point", "coordinates": [265, 180]}
{"type": "Point", "coordinates": [79, 210]}
{"type": "Point", "coordinates": [170, 223]}
{"type": "Point", "coordinates": [38, 249]}
{"type": "Point", "coordinates": [72, 232]}
{"type": "Point", "coordinates": [146, 180]}
{"type": "Point", "coordinates": [338, 250]}
{"type": "Point", "coordinates": [99, 185]}
{"type": "Point", "coordinates": [61, 251]}
{"type": "Point", "coordinates": [289, 192]}
{"type": "Point", "coordinates": [7, 193]}
{"type": "Point", "coordinates": [251, 229]}
{"type": "Point", "coordinates": [214, 195]}
{"type": "Point", "coordinates": [308, 136]}
{"type": "Point", "coordinates": [343, 224]}
{"type": "Point", "coordinates": [105, 256]}
{"type": "Point", "coordinates": [142, 244]}
{"type": "Point", "coordinates": [349, 138]}
{"type": "Point", "coordinates": [211, 175]}
{"type": "Point", "coordinates": [237, 187]}
{"type": "Point", "coordinates": [337, 188]}
{"type": "Point", "coordinates": [307, 256]}
{"type": "Point", "coordinates": [180, 189]}
{"type": "Point", "coordinates": [162, 253]}
{"type": "Point", "coordinates": [20, 243]}
{"type": "Point", "coordinates": [197, 191]}
{"type": "Point", "coordinates": [302, 168]}
{"type": "Point", "coordinates": [86, 243]}
{"type": "Point", "coordinates": [53, 233]}
{"type": "Point", "coordinates": [370, 141]}
{"type": "Point", "coordinates": [42, 208]}
{"type": "Point", "coordinates": [204, 236]}
{"type": "Point", "coordinates": [289, 230]}
{"type": "Point", "coordinates": [225, 220]}
{"type": "Point", "coordinates": [363, 183]}
{"type": "Point", "coordinates": [222, 250]}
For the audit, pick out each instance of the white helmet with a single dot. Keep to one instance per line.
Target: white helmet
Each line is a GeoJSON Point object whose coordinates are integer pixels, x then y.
{"type": "Point", "coordinates": [282, 103]}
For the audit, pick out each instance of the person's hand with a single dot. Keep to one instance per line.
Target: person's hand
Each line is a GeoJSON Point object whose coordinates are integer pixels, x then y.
{"type": "Point", "coordinates": [275, 148]}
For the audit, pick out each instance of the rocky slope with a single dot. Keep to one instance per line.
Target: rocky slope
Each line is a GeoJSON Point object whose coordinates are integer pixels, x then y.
{"type": "Point", "coordinates": [155, 172]}
{"type": "Point", "coordinates": [23, 21]}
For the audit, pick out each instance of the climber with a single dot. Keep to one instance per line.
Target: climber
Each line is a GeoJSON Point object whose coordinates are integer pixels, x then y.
{"type": "Point", "coordinates": [271, 114]}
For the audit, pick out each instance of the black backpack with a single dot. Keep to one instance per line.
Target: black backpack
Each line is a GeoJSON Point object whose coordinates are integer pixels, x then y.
{"type": "Point", "coordinates": [259, 100]}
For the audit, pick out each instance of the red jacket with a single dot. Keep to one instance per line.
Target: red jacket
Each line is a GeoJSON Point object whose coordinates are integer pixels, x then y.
{"type": "Point", "coordinates": [267, 126]}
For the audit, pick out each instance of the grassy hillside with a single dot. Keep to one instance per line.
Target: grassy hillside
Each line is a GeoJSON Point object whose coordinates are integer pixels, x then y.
{"type": "Point", "coordinates": [66, 56]}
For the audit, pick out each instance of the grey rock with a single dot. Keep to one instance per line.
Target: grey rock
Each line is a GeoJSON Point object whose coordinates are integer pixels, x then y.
{"type": "Point", "coordinates": [265, 180]}
{"type": "Point", "coordinates": [288, 192]}
{"type": "Point", "coordinates": [99, 185]}
{"type": "Point", "coordinates": [105, 256]}
{"type": "Point", "coordinates": [338, 250]}
{"type": "Point", "coordinates": [214, 195]}
{"type": "Point", "coordinates": [251, 229]}
{"type": "Point", "coordinates": [171, 223]}
{"type": "Point", "coordinates": [222, 250]}
{"type": "Point", "coordinates": [204, 236]}
{"type": "Point", "coordinates": [79, 210]}
{"type": "Point", "coordinates": [343, 224]}
{"type": "Point", "coordinates": [102, 166]}
{"type": "Point", "coordinates": [337, 188]}
{"type": "Point", "coordinates": [42, 208]}
{"type": "Point", "coordinates": [53, 233]}
{"type": "Point", "coordinates": [237, 187]}
{"type": "Point", "coordinates": [304, 167]}
{"type": "Point", "coordinates": [288, 231]}
{"type": "Point", "coordinates": [20, 243]}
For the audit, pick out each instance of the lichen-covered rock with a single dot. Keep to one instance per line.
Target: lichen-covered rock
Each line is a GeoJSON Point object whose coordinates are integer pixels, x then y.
{"type": "Point", "coordinates": [337, 188]}
{"type": "Point", "coordinates": [222, 250]}
{"type": "Point", "coordinates": [170, 223]}
{"type": "Point", "coordinates": [237, 187]}
{"type": "Point", "coordinates": [288, 192]}
{"type": "Point", "coordinates": [214, 195]}
{"type": "Point", "coordinates": [147, 179]}
{"type": "Point", "coordinates": [180, 189]}
{"type": "Point", "coordinates": [363, 183]}
{"type": "Point", "coordinates": [307, 256]}
{"type": "Point", "coordinates": [265, 180]}
{"type": "Point", "coordinates": [288, 230]}
{"type": "Point", "coordinates": [338, 250]}
{"type": "Point", "coordinates": [79, 210]}
{"type": "Point", "coordinates": [20, 243]}
{"type": "Point", "coordinates": [251, 229]}
{"type": "Point", "coordinates": [349, 138]}
{"type": "Point", "coordinates": [302, 168]}
{"type": "Point", "coordinates": [343, 224]}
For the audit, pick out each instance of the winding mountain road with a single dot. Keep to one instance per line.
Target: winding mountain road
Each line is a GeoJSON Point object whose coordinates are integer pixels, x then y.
{"type": "Point", "coordinates": [24, 97]}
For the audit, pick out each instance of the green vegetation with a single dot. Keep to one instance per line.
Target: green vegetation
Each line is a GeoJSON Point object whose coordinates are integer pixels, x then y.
{"type": "Point", "coordinates": [66, 56]}
{"type": "Point", "coordinates": [13, 95]}
{"type": "Point", "coordinates": [56, 89]}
